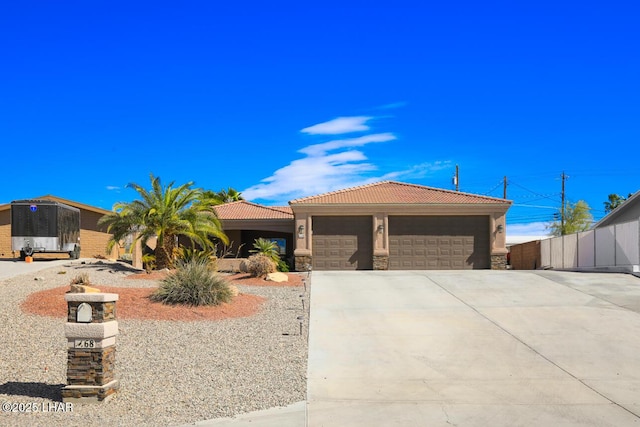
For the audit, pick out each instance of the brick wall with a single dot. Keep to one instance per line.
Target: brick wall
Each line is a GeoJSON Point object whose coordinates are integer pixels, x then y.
{"type": "Point", "coordinates": [526, 256]}
{"type": "Point", "coordinates": [5, 234]}
{"type": "Point", "coordinates": [93, 243]}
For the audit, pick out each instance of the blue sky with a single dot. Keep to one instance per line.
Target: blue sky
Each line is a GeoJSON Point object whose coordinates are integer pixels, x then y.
{"type": "Point", "coordinates": [286, 99]}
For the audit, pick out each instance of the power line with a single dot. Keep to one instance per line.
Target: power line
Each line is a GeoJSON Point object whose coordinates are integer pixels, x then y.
{"type": "Point", "coordinates": [531, 191]}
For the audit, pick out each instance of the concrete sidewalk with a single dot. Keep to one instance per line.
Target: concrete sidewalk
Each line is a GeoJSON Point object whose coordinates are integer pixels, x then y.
{"type": "Point", "coordinates": [474, 348]}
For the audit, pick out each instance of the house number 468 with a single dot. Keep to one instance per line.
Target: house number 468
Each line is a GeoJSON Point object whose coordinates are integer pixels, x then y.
{"type": "Point", "coordinates": [85, 344]}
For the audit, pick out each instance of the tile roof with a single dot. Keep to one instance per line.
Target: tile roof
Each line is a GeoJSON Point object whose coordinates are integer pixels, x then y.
{"type": "Point", "coordinates": [243, 209]}
{"type": "Point", "coordinates": [392, 192]}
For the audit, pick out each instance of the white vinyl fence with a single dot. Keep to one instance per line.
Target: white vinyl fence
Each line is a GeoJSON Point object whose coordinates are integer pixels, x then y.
{"type": "Point", "coordinates": [614, 247]}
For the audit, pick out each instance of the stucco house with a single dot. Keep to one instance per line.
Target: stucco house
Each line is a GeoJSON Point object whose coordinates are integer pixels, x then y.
{"type": "Point", "coordinates": [243, 222]}
{"type": "Point", "coordinates": [93, 238]}
{"type": "Point", "coordinates": [386, 225]}
{"type": "Point", "coordinates": [380, 226]}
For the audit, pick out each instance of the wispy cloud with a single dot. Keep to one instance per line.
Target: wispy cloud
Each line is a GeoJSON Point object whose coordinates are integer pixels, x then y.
{"type": "Point", "coordinates": [528, 229]}
{"type": "Point", "coordinates": [112, 188]}
{"type": "Point", "coordinates": [334, 164]}
{"type": "Point", "coordinates": [417, 171]}
{"type": "Point", "coordinates": [339, 126]}
{"type": "Point", "coordinates": [319, 149]}
{"type": "Point", "coordinates": [321, 174]}
{"type": "Point", "coordinates": [392, 106]}
{"type": "Point", "coordinates": [310, 175]}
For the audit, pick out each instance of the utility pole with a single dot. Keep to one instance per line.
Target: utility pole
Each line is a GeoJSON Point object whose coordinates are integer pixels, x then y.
{"type": "Point", "coordinates": [504, 188]}
{"type": "Point", "coordinates": [562, 196]}
{"type": "Point", "coordinates": [456, 179]}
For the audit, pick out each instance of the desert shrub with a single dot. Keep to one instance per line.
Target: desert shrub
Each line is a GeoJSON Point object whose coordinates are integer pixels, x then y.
{"type": "Point", "coordinates": [193, 283]}
{"type": "Point", "coordinates": [81, 279]}
{"type": "Point", "coordinates": [199, 255]}
{"type": "Point", "coordinates": [259, 265]}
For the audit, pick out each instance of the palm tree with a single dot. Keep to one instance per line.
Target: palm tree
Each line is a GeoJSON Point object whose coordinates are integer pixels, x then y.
{"type": "Point", "coordinates": [212, 198]}
{"type": "Point", "coordinates": [164, 212]}
{"type": "Point", "coordinates": [229, 195]}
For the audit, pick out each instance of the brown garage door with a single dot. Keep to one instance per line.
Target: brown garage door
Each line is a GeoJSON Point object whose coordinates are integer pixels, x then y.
{"type": "Point", "coordinates": [439, 242]}
{"type": "Point", "coordinates": [342, 243]}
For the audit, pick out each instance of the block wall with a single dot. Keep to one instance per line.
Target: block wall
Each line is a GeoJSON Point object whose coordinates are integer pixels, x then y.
{"type": "Point", "coordinates": [526, 256]}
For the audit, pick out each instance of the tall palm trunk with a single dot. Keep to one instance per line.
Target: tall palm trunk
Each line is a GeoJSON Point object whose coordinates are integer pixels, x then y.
{"type": "Point", "coordinates": [165, 252]}
{"type": "Point", "coordinates": [163, 257]}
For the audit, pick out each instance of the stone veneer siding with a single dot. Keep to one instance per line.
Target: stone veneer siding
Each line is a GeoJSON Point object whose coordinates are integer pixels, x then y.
{"type": "Point", "coordinates": [303, 263]}
{"type": "Point", "coordinates": [380, 262]}
{"type": "Point", "coordinates": [102, 311]}
{"type": "Point", "coordinates": [499, 262]}
{"type": "Point", "coordinates": [91, 367]}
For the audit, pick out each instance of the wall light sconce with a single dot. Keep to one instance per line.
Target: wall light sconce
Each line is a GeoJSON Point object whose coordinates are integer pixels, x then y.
{"type": "Point", "coordinates": [380, 228]}
{"type": "Point", "coordinates": [301, 232]}
{"type": "Point", "coordinates": [500, 228]}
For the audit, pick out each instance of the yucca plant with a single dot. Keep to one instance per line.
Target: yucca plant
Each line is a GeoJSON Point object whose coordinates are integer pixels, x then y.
{"type": "Point", "coordinates": [193, 283]}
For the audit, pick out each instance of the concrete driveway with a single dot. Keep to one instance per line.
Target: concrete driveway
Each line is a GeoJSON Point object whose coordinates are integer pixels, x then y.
{"type": "Point", "coordinates": [474, 348]}
{"type": "Point", "coordinates": [10, 268]}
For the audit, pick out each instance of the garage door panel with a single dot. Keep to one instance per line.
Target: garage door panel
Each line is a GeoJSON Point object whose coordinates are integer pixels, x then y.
{"type": "Point", "coordinates": [437, 242]}
{"type": "Point", "coordinates": [342, 243]}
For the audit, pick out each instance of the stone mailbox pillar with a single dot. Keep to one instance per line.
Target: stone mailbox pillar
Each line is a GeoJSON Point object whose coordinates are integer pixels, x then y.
{"type": "Point", "coordinates": [91, 331]}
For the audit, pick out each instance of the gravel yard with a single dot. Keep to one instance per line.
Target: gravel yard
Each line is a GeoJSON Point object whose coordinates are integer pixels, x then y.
{"type": "Point", "coordinates": [170, 372]}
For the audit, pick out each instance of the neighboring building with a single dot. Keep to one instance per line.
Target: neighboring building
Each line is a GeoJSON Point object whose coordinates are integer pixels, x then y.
{"type": "Point", "coordinates": [93, 238]}
{"type": "Point", "coordinates": [626, 212]}
{"type": "Point", "coordinates": [398, 226]}
{"type": "Point", "coordinates": [612, 244]}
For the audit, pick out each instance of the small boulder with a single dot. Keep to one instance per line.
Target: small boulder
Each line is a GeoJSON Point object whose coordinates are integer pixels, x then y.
{"type": "Point", "coordinates": [277, 277]}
